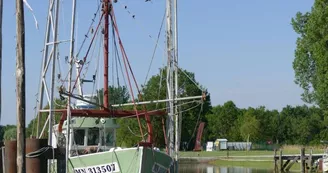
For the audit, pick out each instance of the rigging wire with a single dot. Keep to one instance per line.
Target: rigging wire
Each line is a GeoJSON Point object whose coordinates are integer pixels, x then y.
{"type": "Point", "coordinates": [117, 60]}
{"type": "Point", "coordinates": [91, 56]}
{"type": "Point", "coordinates": [98, 71]}
{"type": "Point", "coordinates": [198, 119]}
{"type": "Point", "coordinates": [89, 29]}
{"type": "Point", "coordinates": [84, 59]}
{"type": "Point", "coordinates": [160, 46]}
{"type": "Point", "coordinates": [158, 36]}
{"type": "Point", "coordinates": [126, 63]}
{"type": "Point", "coordinates": [84, 40]}
{"type": "Point", "coordinates": [96, 78]}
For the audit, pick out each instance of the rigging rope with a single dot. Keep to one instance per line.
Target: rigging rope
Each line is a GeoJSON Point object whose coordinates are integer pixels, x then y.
{"type": "Point", "coordinates": [126, 62]}
{"type": "Point", "coordinates": [152, 58]}
{"type": "Point", "coordinates": [83, 42]}
{"type": "Point", "coordinates": [84, 59]}
{"type": "Point", "coordinates": [93, 50]}
{"type": "Point", "coordinates": [89, 29]}
{"type": "Point", "coordinates": [161, 47]}
{"type": "Point", "coordinates": [193, 134]}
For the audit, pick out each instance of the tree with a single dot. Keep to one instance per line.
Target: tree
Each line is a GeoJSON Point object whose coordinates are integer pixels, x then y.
{"type": "Point", "coordinates": [117, 95]}
{"type": "Point", "coordinates": [250, 128]}
{"type": "Point", "coordinates": [3, 130]}
{"type": "Point", "coordinates": [31, 127]}
{"type": "Point", "coordinates": [311, 62]}
{"type": "Point", "coordinates": [10, 133]}
{"type": "Point", "coordinates": [190, 117]}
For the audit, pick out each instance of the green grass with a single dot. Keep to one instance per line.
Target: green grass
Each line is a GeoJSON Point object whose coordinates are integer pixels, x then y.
{"type": "Point", "coordinates": [244, 153]}
{"type": "Point", "coordinates": [250, 164]}
{"type": "Point", "coordinates": [251, 159]}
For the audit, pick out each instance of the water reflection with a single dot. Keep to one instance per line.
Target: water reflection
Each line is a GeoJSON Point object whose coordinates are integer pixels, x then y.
{"type": "Point", "coordinates": [206, 168]}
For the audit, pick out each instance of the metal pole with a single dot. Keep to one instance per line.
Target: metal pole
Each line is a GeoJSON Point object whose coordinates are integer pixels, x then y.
{"type": "Point", "coordinates": [51, 107]}
{"type": "Point", "coordinates": [71, 54]}
{"type": "Point", "coordinates": [20, 86]}
{"type": "Point", "coordinates": [170, 78]}
{"type": "Point", "coordinates": [106, 37]}
{"type": "Point", "coordinates": [158, 101]}
{"type": "Point", "coordinates": [44, 65]}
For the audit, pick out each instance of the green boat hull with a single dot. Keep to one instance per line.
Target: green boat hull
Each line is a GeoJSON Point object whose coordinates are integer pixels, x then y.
{"type": "Point", "coordinates": [128, 160]}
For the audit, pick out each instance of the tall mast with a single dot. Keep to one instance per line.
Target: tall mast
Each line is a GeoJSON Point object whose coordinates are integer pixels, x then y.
{"type": "Point", "coordinates": [169, 79]}
{"type": "Point", "coordinates": [71, 54]}
{"type": "Point", "coordinates": [106, 22]}
{"type": "Point", "coordinates": [177, 140]}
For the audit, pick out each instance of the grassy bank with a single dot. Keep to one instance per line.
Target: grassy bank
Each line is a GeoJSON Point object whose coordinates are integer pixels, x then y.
{"type": "Point", "coordinates": [225, 153]}
{"type": "Point", "coordinates": [251, 159]}
{"type": "Point", "coordinates": [251, 164]}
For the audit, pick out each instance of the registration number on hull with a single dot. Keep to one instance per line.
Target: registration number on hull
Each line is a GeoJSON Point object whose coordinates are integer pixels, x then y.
{"type": "Point", "coordinates": [104, 168]}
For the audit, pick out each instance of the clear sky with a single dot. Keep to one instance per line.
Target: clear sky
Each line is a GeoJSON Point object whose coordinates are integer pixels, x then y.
{"type": "Point", "coordinates": [240, 50]}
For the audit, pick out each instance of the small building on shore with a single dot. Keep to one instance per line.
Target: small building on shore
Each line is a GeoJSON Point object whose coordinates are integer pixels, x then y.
{"type": "Point", "coordinates": [221, 144]}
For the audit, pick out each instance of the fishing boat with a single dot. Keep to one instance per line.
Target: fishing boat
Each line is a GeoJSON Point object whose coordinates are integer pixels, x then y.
{"type": "Point", "coordinates": [87, 129]}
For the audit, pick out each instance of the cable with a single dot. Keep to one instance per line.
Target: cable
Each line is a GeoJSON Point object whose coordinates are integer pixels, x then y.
{"type": "Point", "coordinates": [84, 59]}
{"type": "Point", "coordinates": [159, 34]}
{"type": "Point", "coordinates": [39, 152]}
{"type": "Point", "coordinates": [89, 29]}
{"type": "Point", "coordinates": [161, 47]}
{"type": "Point", "coordinates": [201, 110]}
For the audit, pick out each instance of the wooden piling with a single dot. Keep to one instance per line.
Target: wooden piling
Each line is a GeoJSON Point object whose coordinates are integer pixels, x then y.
{"type": "Point", "coordinates": [310, 160]}
{"type": "Point", "coordinates": [275, 160]}
{"type": "Point", "coordinates": [302, 162]}
{"type": "Point", "coordinates": [306, 161]}
{"type": "Point", "coordinates": [280, 161]}
{"type": "Point", "coordinates": [20, 86]}
{"type": "Point", "coordinates": [1, 10]}
{"type": "Point", "coordinates": [1, 160]}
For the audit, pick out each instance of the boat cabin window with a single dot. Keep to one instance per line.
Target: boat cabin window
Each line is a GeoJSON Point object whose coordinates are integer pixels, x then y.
{"type": "Point", "coordinates": [93, 136]}
{"type": "Point", "coordinates": [107, 137]}
{"type": "Point", "coordinates": [79, 136]}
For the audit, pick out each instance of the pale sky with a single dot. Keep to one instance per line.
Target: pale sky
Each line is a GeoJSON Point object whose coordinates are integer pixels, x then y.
{"type": "Point", "coordinates": [240, 50]}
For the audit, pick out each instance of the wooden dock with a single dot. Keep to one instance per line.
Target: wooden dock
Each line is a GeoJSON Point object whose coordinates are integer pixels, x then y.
{"type": "Point", "coordinates": [283, 163]}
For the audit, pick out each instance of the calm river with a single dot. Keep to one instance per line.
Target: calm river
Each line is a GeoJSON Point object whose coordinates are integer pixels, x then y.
{"type": "Point", "coordinates": [205, 168]}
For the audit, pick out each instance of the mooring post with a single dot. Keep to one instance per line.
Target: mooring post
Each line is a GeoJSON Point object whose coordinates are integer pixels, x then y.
{"type": "Point", "coordinates": [1, 12]}
{"type": "Point", "coordinates": [310, 160]}
{"type": "Point", "coordinates": [20, 86]}
{"type": "Point", "coordinates": [302, 160]}
{"type": "Point", "coordinates": [1, 160]}
{"type": "Point", "coordinates": [275, 160]}
{"type": "Point", "coordinates": [280, 161]}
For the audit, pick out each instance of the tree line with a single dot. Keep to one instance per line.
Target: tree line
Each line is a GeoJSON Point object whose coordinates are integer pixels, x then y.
{"type": "Point", "coordinates": [305, 125]}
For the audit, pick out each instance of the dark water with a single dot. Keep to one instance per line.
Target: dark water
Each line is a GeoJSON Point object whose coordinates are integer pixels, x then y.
{"type": "Point", "coordinates": [205, 168]}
